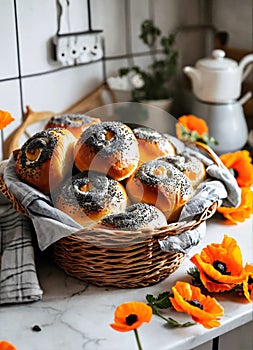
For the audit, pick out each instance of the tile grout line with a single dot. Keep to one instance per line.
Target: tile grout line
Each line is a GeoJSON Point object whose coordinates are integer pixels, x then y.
{"type": "Point", "coordinates": [19, 61]}
{"type": "Point", "coordinates": [128, 36]}
{"type": "Point", "coordinates": [109, 58]}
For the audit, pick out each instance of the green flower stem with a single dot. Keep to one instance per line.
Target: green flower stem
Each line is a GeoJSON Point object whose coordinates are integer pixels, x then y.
{"type": "Point", "coordinates": [137, 339]}
{"type": "Point", "coordinates": [171, 321]}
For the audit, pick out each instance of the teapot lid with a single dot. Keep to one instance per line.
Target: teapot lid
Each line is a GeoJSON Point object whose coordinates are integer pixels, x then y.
{"type": "Point", "coordinates": [217, 62]}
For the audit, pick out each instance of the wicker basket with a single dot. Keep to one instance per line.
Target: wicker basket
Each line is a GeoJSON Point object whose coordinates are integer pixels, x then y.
{"type": "Point", "coordinates": [126, 259]}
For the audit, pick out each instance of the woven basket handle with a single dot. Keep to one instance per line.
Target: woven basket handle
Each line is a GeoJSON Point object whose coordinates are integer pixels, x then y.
{"type": "Point", "coordinates": [211, 154]}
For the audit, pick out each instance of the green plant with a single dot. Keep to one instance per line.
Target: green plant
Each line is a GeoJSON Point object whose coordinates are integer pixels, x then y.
{"type": "Point", "coordinates": [153, 84]}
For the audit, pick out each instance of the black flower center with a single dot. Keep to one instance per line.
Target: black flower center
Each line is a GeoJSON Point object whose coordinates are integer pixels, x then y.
{"type": "Point", "coordinates": [221, 267]}
{"type": "Point", "coordinates": [195, 303]}
{"type": "Point", "coordinates": [131, 319]}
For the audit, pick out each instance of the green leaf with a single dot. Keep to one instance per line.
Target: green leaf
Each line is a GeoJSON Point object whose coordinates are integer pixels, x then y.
{"type": "Point", "coordinates": [195, 274]}
{"type": "Point", "coordinates": [162, 301]}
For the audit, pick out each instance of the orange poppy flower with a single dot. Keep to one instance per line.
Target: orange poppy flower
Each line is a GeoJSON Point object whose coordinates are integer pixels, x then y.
{"type": "Point", "coordinates": [203, 309]}
{"type": "Point", "coordinates": [130, 316]}
{"type": "Point", "coordinates": [220, 265]}
{"type": "Point", "coordinates": [191, 123]}
{"type": "Point", "coordinates": [240, 164]}
{"type": "Point", "coordinates": [5, 119]}
{"type": "Point", "coordinates": [248, 283]}
{"type": "Point", "coordinates": [242, 212]}
{"type": "Point", "coordinates": [5, 345]}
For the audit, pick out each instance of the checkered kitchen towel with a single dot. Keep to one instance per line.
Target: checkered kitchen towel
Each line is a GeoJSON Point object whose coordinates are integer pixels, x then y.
{"type": "Point", "coordinates": [18, 277]}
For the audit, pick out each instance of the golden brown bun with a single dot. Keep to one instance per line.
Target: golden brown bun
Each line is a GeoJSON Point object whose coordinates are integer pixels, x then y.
{"type": "Point", "coordinates": [191, 166]}
{"type": "Point", "coordinates": [136, 216]}
{"type": "Point", "coordinates": [162, 185]}
{"type": "Point", "coordinates": [152, 144]}
{"type": "Point", "coordinates": [88, 197]}
{"type": "Point", "coordinates": [108, 147]}
{"type": "Point", "coordinates": [76, 123]}
{"type": "Point", "coordinates": [46, 159]}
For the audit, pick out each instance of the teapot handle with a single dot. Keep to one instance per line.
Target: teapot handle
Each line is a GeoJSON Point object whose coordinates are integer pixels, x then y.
{"type": "Point", "coordinates": [245, 98]}
{"type": "Point", "coordinates": [247, 62]}
{"type": "Point", "coordinates": [247, 71]}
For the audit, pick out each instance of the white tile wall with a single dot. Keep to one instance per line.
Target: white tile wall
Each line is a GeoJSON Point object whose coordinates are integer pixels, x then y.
{"type": "Point", "coordinates": [139, 11]}
{"type": "Point", "coordinates": [235, 17]}
{"type": "Point", "coordinates": [78, 16]}
{"type": "Point", "coordinates": [109, 15]}
{"type": "Point", "coordinates": [112, 66]}
{"type": "Point", "coordinates": [61, 89]}
{"type": "Point", "coordinates": [8, 45]}
{"type": "Point", "coordinates": [10, 102]}
{"type": "Point", "coordinates": [37, 24]}
{"type": "Point", "coordinates": [166, 15]}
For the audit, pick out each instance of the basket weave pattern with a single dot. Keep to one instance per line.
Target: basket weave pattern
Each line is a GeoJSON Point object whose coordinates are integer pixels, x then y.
{"type": "Point", "coordinates": [109, 257]}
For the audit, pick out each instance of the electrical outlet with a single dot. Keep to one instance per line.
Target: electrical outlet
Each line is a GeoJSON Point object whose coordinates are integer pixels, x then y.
{"type": "Point", "coordinates": [78, 48]}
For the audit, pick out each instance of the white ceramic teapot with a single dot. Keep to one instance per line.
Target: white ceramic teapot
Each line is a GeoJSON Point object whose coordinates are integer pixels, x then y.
{"type": "Point", "coordinates": [218, 79]}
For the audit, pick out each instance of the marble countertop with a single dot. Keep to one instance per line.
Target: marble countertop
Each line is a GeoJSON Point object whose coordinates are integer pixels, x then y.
{"type": "Point", "coordinates": [75, 315]}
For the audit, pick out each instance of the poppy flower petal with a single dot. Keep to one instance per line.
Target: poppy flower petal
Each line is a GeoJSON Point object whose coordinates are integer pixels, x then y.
{"type": "Point", "coordinates": [210, 323]}
{"type": "Point", "coordinates": [184, 290]}
{"type": "Point", "coordinates": [215, 275]}
{"type": "Point", "coordinates": [243, 211]}
{"type": "Point", "coordinates": [248, 293]}
{"type": "Point", "coordinates": [5, 119]}
{"type": "Point", "coordinates": [240, 162]}
{"type": "Point", "coordinates": [205, 313]}
{"type": "Point", "coordinates": [214, 287]}
{"type": "Point", "coordinates": [192, 123]}
{"type": "Point", "coordinates": [210, 305]}
{"type": "Point", "coordinates": [5, 345]}
{"type": "Point", "coordinates": [141, 311]}
{"type": "Point", "coordinates": [123, 327]}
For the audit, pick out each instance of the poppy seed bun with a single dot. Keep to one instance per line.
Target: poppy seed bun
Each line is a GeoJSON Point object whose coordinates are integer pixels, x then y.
{"type": "Point", "coordinates": [152, 144]}
{"type": "Point", "coordinates": [46, 159]}
{"type": "Point", "coordinates": [189, 165]}
{"type": "Point", "coordinates": [88, 197]}
{"type": "Point", "coordinates": [108, 147]}
{"type": "Point", "coordinates": [136, 216]}
{"type": "Point", "coordinates": [76, 123]}
{"type": "Point", "coordinates": [161, 184]}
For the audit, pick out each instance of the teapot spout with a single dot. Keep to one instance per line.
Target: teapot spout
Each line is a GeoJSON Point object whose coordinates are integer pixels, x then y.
{"type": "Point", "coordinates": [194, 75]}
{"type": "Point", "coordinates": [244, 63]}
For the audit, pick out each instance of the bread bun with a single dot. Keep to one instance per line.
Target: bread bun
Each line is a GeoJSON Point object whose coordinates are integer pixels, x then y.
{"type": "Point", "coordinates": [110, 148]}
{"type": "Point", "coordinates": [191, 166]}
{"type": "Point", "coordinates": [136, 216]}
{"type": "Point", "coordinates": [161, 184]}
{"type": "Point", "coordinates": [76, 123]}
{"type": "Point", "coordinates": [88, 197]}
{"type": "Point", "coordinates": [152, 144]}
{"type": "Point", "coordinates": [46, 159]}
